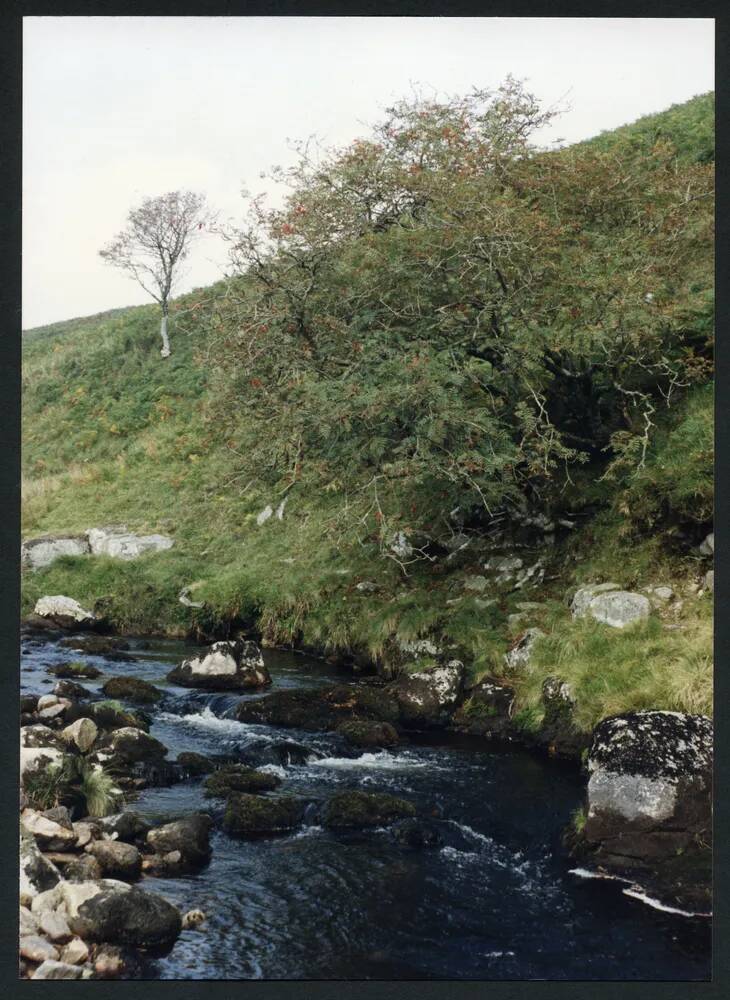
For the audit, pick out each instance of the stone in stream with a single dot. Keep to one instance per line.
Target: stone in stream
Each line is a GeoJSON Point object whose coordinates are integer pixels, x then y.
{"type": "Point", "coordinates": [363, 733]}
{"type": "Point", "coordinates": [132, 745]}
{"type": "Point", "coordinates": [195, 763]}
{"type": "Point", "coordinates": [131, 689]}
{"type": "Point", "coordinates": [257, 815]}
{"type": "Point", "coordinates": [74, 670]}
{"type": "Point", "coordinates": [65, 612]}
{"type": "Point", "coordinates": [355, 809]}
{"type": "Point", "coordinates": [111, 911]}
{"type": "Point", "coordinates": [82, 733]}
{"type": "Point", "coordinates": [98, 645]}
{"type": "Point", "coordinates": [190, 836]}
{"type": "Point", "coordinates": [416, 833]}
{"type": "Point", "coordinates": [128, 825]}
{"type": "Point", "coordinates": [71, 690]}
{"type": "Point", "coordinates": [321, 708]}
{"type": "Point", "coordinates": [428, 697]}
{"type": "Point", "coordinates": [117, 859]}
{"type": "Point", "coordinates": [649, 801]}
{"type": "Point", "coordinates": [487, 709]}
{"type": "Point", "coordinates": [281, 752]}
{"type": "Point", "coordinates": [37, 874]}
{"type": "Point", "coordinates": [239, 778]}
{"type": "Point", "coordinates": [227, 666]}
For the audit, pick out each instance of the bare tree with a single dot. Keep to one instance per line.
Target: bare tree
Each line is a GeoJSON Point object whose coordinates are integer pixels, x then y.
{"type": "Point", "coordinates": [157, 239]}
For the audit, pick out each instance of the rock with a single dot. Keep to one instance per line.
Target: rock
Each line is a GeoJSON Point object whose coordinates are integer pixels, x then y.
{"type": "Point", "coordinates": [427, 696]}
{"type": "Point", "coordinates": [367, 587]}
{"type": "Point", "coordinates": [52, 712]}
{"type": "Point", "coordinates": [109, 717]}
{"type": "Point", "coordinates": [28, 703]}
{"type": "Point", "coordinates": [416, 834]}
{"type": "Point", "coordinates": [228, 666]}
{"type": "Point", "coordinates": [709, 581]}
{"type": "Point", "coordinates": [190, 836]}
{"type": "Point", "coordinates": [400, 546]}
{"type": "Point", "coordinates": [477, 583]}
{"type": "Point", "coordinates": [239, 778]}
{"type": "Point", "coordinates": [75, 952]}
{"type": "Point", "coordinates": [649, 798]}
{"type": "Point", "coordinates": [132, 689]}
{"type": "Point", "coordinates": [37, 875]}
{"type": "Point", "coordinates": [46, 700]}
{"type": "Point", "coordinates": [320, 708]}
{"type": "Point", "coordinates": [70, 690]}
{"type": "Point", "coordinates": [81, 734]}
{"type": "Point", "coordinates": [86, 832]}
{"type": "Point", "coordinates": [64, 612]}
{"type": "Point", "coordinates": [75, 670]}
{"type": "Point", "coordinates": [84, 869]}
{"type": "Point", "coordinates": [133, 746]}
{"type": "Point", "coordinates": [515, 621]}
{"type": "Point", "coordinates": [559, 732]}
{"type": "Point", "coordinates": [618, 608]}
{"type": "Point", "coordinates": [127, 825]}
{"type": "Point", "coordinates": [195, 763]}
{"type": "Point", "coordinates": [97, 645]}
{"type": "Point", "coordinates": [517, 658]}
{"type": "Point", "coordinates": [263, 516]}
{"type": "Point", "coordinates": [257, 815]}
{"type": "Point", "coordinates": [37, 553]}
{"type": "Point", "coordinates": [192, 920]}
{"type": "Point", "coordinates": [281, 753]}
{"type": "Point", "coordinates": [119, 543]}
{"type": "Point", "coordinates": [51, 969]}
{"type": "Point", "coordinates": [110, 911]}
{"type": "Point", "coordinates": [355, 809]}
{"type": "Point", "coordinates": [707, 547]}
{"type": "Point", "coordinates": [417, 648]}
{"type": "Point", "coordinates": [34, 759]}
{"type": "Point", "coordinates": [117, 858]}
{"type": "Point", "coordinates": [50, 834]}
{"type": "Point", "coordinates": [29, 923]}
{"type": "Point", "coordinates": [505, 569]}
{"type": "Point", "coordinates": [37, 949]}
{"type": "Point", "coordinates": [661, 594]}
{"type": "Point", "coordinates": [40, 736]}
{"type": "Point", "coordinates": [55, 927]}
{"type": "Point", "coordinates": [583, 597]}
{"type": "Point", "coordinates": [487, 709]}
{"type": "Point", "coordinates": [369, 734]}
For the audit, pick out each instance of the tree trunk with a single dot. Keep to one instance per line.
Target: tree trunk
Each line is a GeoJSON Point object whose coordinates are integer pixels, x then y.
{"type": "Point", "coordinates": [165, 352]}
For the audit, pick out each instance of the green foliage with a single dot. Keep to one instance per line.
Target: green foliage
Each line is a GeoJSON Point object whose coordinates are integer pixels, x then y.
{"type": "Point", "coordinates": [74, 781]}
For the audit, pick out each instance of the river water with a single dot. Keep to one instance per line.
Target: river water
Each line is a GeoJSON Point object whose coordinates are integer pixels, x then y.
{"type": "Point", "coordinates": [497, 901]}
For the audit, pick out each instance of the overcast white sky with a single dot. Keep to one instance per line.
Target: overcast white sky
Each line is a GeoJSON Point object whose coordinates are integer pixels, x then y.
{"type": "Point", "coordinates": [116, 108]}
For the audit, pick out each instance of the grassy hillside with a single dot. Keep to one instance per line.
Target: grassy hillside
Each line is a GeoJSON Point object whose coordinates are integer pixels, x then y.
{"type": "Point", "coordinates": [113, 434]}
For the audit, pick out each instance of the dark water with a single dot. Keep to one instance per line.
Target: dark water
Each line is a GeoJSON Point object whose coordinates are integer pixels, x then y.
{"type": "Point", "coordinates": [497, 901]}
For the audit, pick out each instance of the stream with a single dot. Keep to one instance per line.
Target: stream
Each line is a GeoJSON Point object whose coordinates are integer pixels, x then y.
{"type": "Point", "coordinates": [497, 901]}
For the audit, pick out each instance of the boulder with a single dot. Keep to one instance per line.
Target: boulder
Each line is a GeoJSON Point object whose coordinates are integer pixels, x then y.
{"type": "Point", "coordinates": [127, 825]}
{"type": "Point", "coordinates": [257, 815]}
{"type": "Point", "coordinates": [126, 915]}
{"type": "Point", "coordinates": [119, 543]}
{"type": "Point", "coordinates": [619, 608]}
{"type": "Point", "coordinates": [34, 759]}
{"type": "Point", "coordinates": [649, 798]}
{"type": "Point", "coordinates": [487, 710]}
{"type": "Point", "coordinates": [37, 553]}
{"type": "Point", "coordinates": [70, 690]}
{"type": "Point", "coordinates": [40, 736]}
{"type": "Point", "coordinates": [195, 763]}
{"type": "Point", "coordinates": [84, 868]}
{"type": "Point", "coordinates": [75, 670]}
{"type": "Point", "coordinates": [117, 858]}
{"type": "Point", "coordinates": [517, 658]}
{"type": "Point", "coordinates": [52, 832]}
{"type": "Point", "coordinates": [282, 753]}
{"type": "Point", "coordinates": [36, 949]}
{"type": "Point", "coordinates": [37, 874]}
{"type": "Point", "coordinates": [133, 746]}
{"type": "Point", "coordinates": [81, 734]}
{"type": "Point", "coordinates": [86, 832]}
{"type": "Point", "coordinates": [584, 595]}
{"type": "Point", "coordinates": [64, 612]}
{"type": "Point", "coordinates": [112, 717]}
{"type": "Point", "coordinates": [190, 836]}
{"type": "Point", "coordinates": [51, 969]}
{"type": "Point", "coordinates": [416, 834]}
{"type": "Point", "coordinates": [355, 809]}
{"type": "Point", "coordinates": [29, 923]}
{"type": "Point", "coordinates": [707, 547]}
{"type": "Point", "coordinates": [427, 697]}
{"type": "Point", "coordinates": [131, 689]}
{"type": "Point", "coordinates": [239, 778]}
{"type": "Point", "coordinates": [321, 708]}
{"type": "Point", "coordinates": [559, 733]}
{"type": "Point", "coordinates": [227, 666]}
{"type": "Point", "coordinates": [75, 952]}
{"type": "Point", "coordinates": [369, 734]}
{"type": "Point", "coordinates": [54, 926]}
{"type": "Point", "coordinates": [98, 645]}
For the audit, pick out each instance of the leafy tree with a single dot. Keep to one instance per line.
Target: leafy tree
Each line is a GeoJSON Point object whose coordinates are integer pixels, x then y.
{"type": "Point", "coordinates": [443, 316]}
{"type": "Point", "coordinates": [157, 239]}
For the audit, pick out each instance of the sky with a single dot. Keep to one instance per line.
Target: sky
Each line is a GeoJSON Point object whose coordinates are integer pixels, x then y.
{"type": "Point", "coordinates": [119, 108]}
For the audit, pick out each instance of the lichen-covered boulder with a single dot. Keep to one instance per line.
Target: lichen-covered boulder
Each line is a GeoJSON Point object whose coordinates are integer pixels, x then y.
{"type": "Point", "coordinates": [649, 797]}
{"type": "Point", "coordinates": [120, 914]}
{"type": "Point", "coordinates": [364, 733]}
{"type": "Point", "coordinates": [428, 697]}
{"type": "Point", "coordinates": [559, 733]}
{"type": "Point", "coordinates": [517, 658]}
{"type": "Point", "coordinates": [190, 836]}
{"type": "Point", "coordinates": [487, 709]}
{"type": "Point", "coordinates": [119, 543]}
{"type": "Point", "coordinates": [37, 874]}
{"type": "Point", "coordinates": [134, 745]}
{"type": "Point", "coordinates": [355, 809]}
{"type": "Point", "coordinates": [117, 859]}
{"type": "Point", "coordinates": [584, 595]}
{"type": "Point", "coordinates": [52, 829]}
{"type": "Point", "coordinates": [321, 708]}
{"type": "Point", "coordinates": [132, 689]}
{"type": "Point", "coordinates": [607, 604]}
{"type": "Point", "coordinates": [239, 778]}
{"type": "Point", "coordinates": [37, 553]}
{"type": "Point", "coordinates": [257, 815]}
{"type": "Point", "coordinates": [227, 666]}
{"type": "Point", "coordinates": [65, 612]}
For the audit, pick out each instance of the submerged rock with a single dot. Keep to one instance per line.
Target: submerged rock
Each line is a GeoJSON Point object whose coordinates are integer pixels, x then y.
{"type": "Point", "coordinates": [257, 815]}
{"type": "Point", "coordinates": [228, 666]}
{"type": "Point", "coordinates": [355, 809]}
{"type": "Point", "coordinates": [428, 696]}
{"type": "Point", "coordinates": [649, 798]}
{"type": "Point", "coordinates": [195, 763]}
{"type": "Point", "coordinates": [416, 834]}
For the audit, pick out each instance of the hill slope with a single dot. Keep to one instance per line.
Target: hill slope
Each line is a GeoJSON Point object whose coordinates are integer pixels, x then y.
{"type": "Point", "coordinates": [112, 434]}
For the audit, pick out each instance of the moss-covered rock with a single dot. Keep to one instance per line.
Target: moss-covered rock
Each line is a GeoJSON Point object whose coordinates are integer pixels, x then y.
{"type": "Point", "coordinates": [239, 778]}
{"type": "Point", "coordinates": [195, 763]}
{"type": "Point", "coordinates": [369, 734]}
{"type": "Point", "coordinates": [257, 815]}
{"type": "Point", "coordinates": [74, 670]}
{"type": "Point", "coordinates": [321, 708]}
{"type": "Point", "coordinates": [132, 689]}
{"type": "Point", "coordinates": [355, 809]}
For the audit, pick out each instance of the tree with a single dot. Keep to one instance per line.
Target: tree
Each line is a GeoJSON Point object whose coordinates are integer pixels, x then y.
{"type": "Point", "coordinates": [157, 239]}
